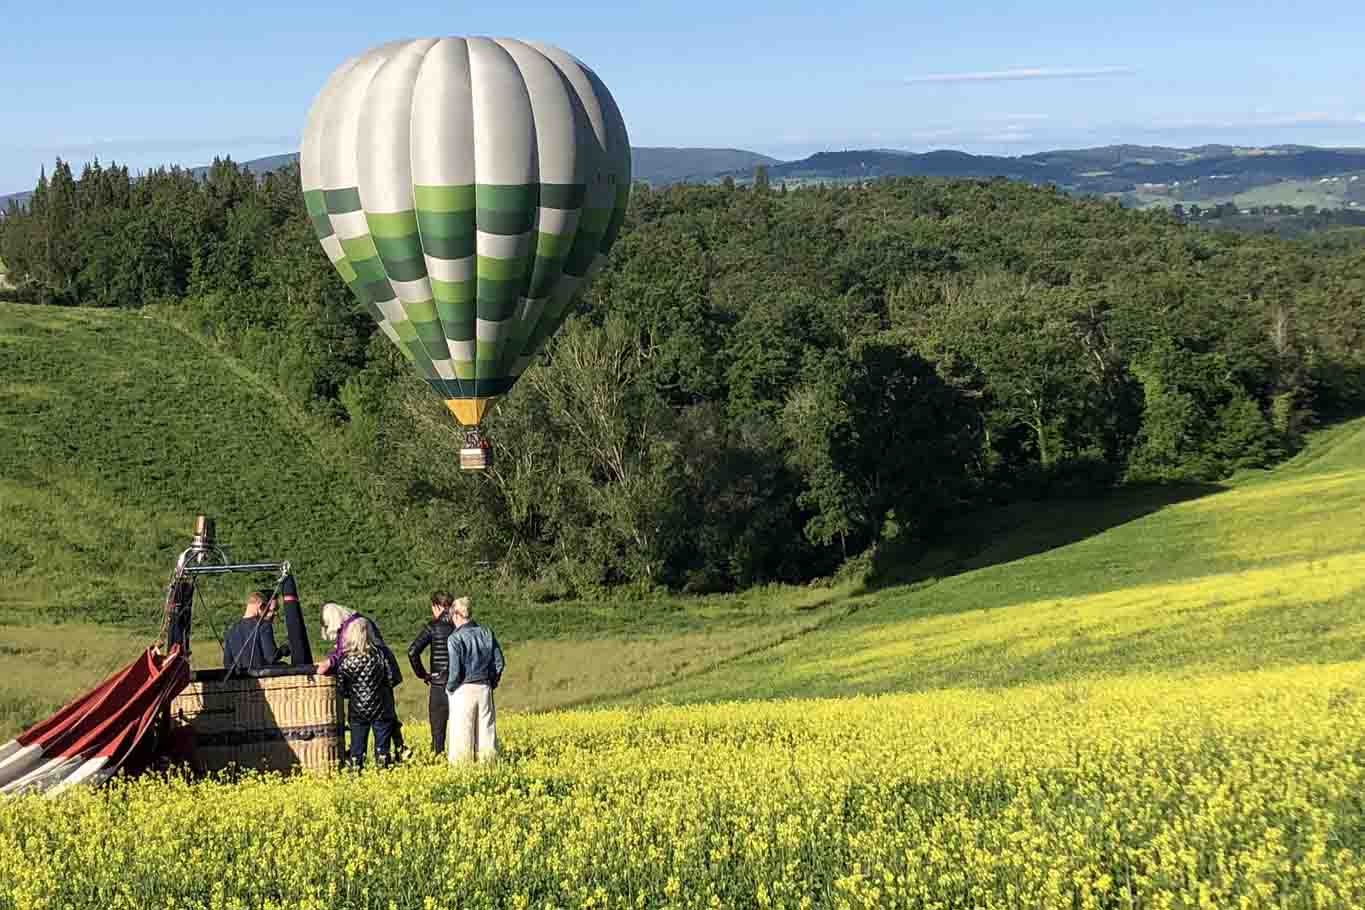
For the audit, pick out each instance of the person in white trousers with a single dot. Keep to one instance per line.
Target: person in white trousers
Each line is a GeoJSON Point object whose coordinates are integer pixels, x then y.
{"type": "Point", "coordinates": [476, 666]}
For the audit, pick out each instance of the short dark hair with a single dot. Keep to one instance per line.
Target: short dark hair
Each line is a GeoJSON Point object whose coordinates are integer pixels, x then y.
{"type": "Point", "coordinates": [441, 599]}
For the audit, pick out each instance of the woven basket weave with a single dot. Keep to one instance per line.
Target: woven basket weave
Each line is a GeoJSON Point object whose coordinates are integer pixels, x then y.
{"type": "Point", "coordinates": [276, 723]}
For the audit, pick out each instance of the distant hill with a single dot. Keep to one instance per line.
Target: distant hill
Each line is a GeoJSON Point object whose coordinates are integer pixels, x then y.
{"type": "Point", "coordinates": [1114, 155]}
{"type": "Point", "coordinates": [21, 198]}
{"type": "Point", "coordinates": [676, 165]}
{"type": "Point", "coordinates": [1094, 168]}
{"type": "Point", "coordinates": [257, 166]}
{"type": "Point", "coordinates": [652, 165]}
{"type": "Point", "coordinates": [1136, 174]}
{"type": "Point", "coordinates": [872, 164]}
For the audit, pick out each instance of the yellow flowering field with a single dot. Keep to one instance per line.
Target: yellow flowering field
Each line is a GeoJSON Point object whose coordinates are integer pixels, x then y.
{"type": "Point", "coordinates": [1157, 790]}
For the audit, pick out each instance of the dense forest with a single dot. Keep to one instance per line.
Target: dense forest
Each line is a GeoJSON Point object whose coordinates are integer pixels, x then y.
{"type": "Point", "coordinates": [760, 385]}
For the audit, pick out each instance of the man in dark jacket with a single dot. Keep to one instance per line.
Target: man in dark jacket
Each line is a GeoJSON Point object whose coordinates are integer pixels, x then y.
{"type": "Point", "coordinates": [435, 636]}
{"type": "Point", "coordinates": [475, 670]}
{"type": "Point", "coordinates": [250, 643]}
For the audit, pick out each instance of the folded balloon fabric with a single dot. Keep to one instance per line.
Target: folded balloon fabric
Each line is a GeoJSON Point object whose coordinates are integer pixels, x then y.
{"type": "Point", "coordinates": [108, 729]}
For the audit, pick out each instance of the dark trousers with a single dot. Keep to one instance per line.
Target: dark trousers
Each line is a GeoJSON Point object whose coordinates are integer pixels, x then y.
{"type": "Point", "coordinates": [438, 709]}
{"type": "Point", "coordinates": [360, 741]}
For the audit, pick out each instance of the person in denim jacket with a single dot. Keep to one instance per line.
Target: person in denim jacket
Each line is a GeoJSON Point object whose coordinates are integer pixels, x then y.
{"type": "Point", "coordinates": [474, 670]}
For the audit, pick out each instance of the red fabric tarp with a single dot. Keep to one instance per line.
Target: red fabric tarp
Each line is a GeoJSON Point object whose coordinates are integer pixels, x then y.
{"type": "Point", "coordinates": [108, 729]}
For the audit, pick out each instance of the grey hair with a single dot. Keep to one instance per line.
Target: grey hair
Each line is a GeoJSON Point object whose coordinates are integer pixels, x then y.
{"type": "Point", "coordinates": [461, 607]}
{"type": "Point", "coordinates": [333, 615]}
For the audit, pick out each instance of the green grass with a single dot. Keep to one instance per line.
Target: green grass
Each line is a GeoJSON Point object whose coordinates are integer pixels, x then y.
{"type": "Point", "coordinates": [45, 665]}
{"type": "Point", "coordinates": [1152, 699]}
{"type": "Point", "coordinates": [117, 429]}
{"type": "Point", "coordinates": [1297, 193]}
{"type": "Point", "coordinates": [1269, 572]}
{"type": "Point", "coordinates": [121, 428]}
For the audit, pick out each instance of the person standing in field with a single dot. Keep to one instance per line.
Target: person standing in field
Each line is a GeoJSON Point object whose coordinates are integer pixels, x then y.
{"type": "Point", "coordinates": [474, 671]}
{"type": "Point", "coordinates": [336, 619]}
{"type": "Point", "coordinates": [365, 680]}
{"type": "Point", "coordinates": [436, 636]}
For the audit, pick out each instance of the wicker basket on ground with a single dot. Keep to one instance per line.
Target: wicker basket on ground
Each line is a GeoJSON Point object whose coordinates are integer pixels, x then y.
{"type": "Point", "coordinates": [280, 719]}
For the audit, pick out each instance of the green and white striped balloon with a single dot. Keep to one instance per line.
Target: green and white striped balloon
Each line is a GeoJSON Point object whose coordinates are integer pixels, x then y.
{"type": "Point", "coordinates": [466, 189]}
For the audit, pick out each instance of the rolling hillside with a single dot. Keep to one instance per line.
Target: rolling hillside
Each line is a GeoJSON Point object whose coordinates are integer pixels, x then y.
{"type": "Point", "coordinates": [1151, 700]}
{"type": "Point", "coordinates": [1173, 175]}
{"type": "Point", "coordinates": [117, 428]}
{"type": "Point", "coordinates": [1138, 174]}
{"type": "Point", "coordinates": [1267, 572]}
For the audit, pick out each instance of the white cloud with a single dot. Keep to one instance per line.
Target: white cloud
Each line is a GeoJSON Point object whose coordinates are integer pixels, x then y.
{"type": "Point", "coordinates": [1025, 73]}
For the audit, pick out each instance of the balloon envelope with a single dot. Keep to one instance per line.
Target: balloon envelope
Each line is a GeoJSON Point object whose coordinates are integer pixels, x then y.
{"type": "Point", "coordinates": [466, 189]}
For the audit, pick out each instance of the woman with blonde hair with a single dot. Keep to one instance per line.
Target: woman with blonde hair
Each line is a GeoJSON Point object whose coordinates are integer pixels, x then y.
{"type": "Point", "coordinates": [337, 622]}
{"type": "Point", "coordinates": [364, 680]}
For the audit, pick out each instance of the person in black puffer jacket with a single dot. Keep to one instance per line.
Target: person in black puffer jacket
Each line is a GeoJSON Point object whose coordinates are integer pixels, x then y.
{"type": "Point", "coordinates": [366, 680]}
{"type": "Point", "coordinates": [434, 636]}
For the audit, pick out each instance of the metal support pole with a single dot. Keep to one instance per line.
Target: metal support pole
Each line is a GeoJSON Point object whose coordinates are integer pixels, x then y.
{"type": "Point", "coordinates": [281, 567]}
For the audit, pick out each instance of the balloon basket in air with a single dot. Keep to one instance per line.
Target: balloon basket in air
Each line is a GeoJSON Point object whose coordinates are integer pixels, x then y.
{"type": "Point", "coordinates": [477, 454]}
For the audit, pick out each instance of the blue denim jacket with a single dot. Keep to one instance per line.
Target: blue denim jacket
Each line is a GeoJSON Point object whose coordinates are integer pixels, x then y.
{"type": "Point", "coordinates": [475, 656]}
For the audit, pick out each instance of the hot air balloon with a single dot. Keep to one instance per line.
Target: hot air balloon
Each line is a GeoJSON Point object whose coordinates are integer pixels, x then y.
{"type": "Point", "coordinates": [466, 189]}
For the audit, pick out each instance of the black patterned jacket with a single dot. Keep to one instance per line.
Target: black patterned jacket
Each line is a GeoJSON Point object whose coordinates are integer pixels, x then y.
{"type": "Point", "coordinates": [366, 683]}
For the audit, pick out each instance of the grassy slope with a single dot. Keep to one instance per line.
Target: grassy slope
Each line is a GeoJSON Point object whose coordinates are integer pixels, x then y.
{"type": "Point", "coordinates": [1267, 573]}
{"type": "Point", "coordinates": [1297, 193]}
{"type": "Point", "coordinates": [116, 429]}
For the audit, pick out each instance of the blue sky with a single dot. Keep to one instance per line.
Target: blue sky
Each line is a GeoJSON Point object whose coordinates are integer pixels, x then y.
{"type": "Point", "coordinates": [158, 82]}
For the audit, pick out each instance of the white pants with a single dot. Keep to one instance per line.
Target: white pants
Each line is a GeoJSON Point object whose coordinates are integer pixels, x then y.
{"type": "Point", "coordinates": [472, 728]}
